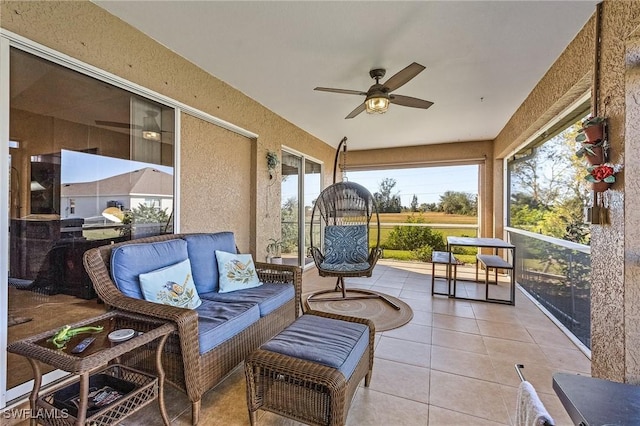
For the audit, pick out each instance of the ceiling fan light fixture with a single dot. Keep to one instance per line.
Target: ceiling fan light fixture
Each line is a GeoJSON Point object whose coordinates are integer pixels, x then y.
{"type": "Point", "coordinates": [151, 129]}
{"type": "Point", "coordinates": [378, 103]}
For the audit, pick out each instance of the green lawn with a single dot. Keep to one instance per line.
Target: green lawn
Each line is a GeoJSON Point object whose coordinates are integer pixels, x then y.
{"type": "Point", "coordinates": [430, 217]}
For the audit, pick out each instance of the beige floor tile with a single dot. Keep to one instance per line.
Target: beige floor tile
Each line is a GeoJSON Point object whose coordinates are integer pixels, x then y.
{"type": "Point", "coordinates": [567, 359]}
{"type": "Point", "coordinates": [411, 332]}
{"type": "Point", "coordinates": [422, 318]}
{"type": "Point", "coordinates": [453, 307]}
{"type": "Point", "coordinates": [539, 375]}
{"type": "Point", "coordinates": [442, 417]}
{"type": "Point", "coordinates": [421, 297]}
{"type": "Point", "coordinates": [391, 291]}
{"type": "Point", "coordinates": [418, 305]}
{"type": "Point", "coordinates": [470, 396]}
{"type": "Point", "coordinates": [462, 363]}
{"type": "Point", "coordinates": [458, 340]}
{"type": "Point", "coordinates": [514, 352]}
{"type": "Point", "coordinates": [418, 354]}
{"type": "Point", "coordinates": [370, 407]}
{"type": "Point", "coordinates": [495, 312]}
{"type": "Point", "coordinates": [401, 380]}
{"type": "Point", "coordinates": [504, 330]}
{"type": "Point", "coordinates": [550, 336]}
{"type": "Point", "coordinates": [449, 322]}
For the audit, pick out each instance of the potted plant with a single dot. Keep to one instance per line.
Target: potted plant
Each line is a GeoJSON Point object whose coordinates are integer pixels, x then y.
{"type": "Point", "coordinates": [593, 152]}
{"type": "Point", "coordinates": [591, 137]}
{"type": "Point", "coordinates": [592, 130]}
{"type": "Point", "coordinates": [272, 163]}
{"type": "Point", "coordinates": [602, 176]}
{"type": "Point", "coordinates": [274, 250]}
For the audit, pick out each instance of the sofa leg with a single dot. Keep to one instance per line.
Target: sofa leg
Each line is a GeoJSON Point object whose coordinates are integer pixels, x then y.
{"type": "Point", "coordinates": [253, 417]}
{"type": "Point", "coordinates": [367, 379]}
{"type": "Point", "coordinates": [195, 412]}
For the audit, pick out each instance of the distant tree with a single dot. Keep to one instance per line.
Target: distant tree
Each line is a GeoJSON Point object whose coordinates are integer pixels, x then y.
{"type": "Point", "coordinates": [386, 201]}
{"type": "Point", "coordinates": [453, 202]}
{"type": "Point", "coordinates": [414, 203]}
{"type": "Point", "coordinates": [149, 214]}
{"type": "Point", "coordinates": [428, 207]}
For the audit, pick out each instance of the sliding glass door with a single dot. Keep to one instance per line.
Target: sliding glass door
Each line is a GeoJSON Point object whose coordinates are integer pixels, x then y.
{"type": "Point", "coordinates": [89, 164]}
{"type": "Point", "coordinates": [301, 181]}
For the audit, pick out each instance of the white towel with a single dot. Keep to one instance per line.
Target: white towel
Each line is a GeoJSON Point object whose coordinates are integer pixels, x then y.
{"type": "Point", "coordinates": [530, 411]}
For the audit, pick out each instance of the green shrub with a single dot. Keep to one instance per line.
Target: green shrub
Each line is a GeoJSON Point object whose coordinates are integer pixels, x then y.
{"type": "Point", "coordinates": [414, 237]}
{"type": "Point", "coordinates": [423, 253]}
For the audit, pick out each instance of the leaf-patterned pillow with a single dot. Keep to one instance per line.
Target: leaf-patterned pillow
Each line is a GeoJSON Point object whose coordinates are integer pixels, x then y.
{"type": "Point", "coordinates": [172, 285]}
{"type": "Point", "coordinates": [237, 272]}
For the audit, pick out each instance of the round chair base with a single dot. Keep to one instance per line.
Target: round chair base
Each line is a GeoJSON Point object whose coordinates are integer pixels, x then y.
{"type": "Point", "coordinates": [360, 294]}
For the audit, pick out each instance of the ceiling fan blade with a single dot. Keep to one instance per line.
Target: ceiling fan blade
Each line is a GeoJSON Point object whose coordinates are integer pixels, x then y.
{"type": "Point", "coordinates": [356, 111]}
{"type": "Point", "coordinates": [343, 91]}
{"type": "Point", "coordinates": [402, 77]}
{"type": "Point", "coordinates": [117, 124]}
{"type": "Point", "coordinates": [408, 101]}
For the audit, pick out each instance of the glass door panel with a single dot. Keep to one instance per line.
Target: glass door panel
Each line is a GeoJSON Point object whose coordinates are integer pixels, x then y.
{"type": "Point", "coordinates": [289, 208]}
{"type": "Point", "coordinates": [312, 186]}
{"type": "Point", "coordinates": [91, 164]}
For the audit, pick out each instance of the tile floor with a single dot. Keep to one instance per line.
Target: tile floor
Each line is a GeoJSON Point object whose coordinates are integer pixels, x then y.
{"type": "Point", "coordinates": [452, 364]}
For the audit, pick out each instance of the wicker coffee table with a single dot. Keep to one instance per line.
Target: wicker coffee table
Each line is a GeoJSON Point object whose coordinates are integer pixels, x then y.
{"type": "Point", "coordinates": [101, 358]}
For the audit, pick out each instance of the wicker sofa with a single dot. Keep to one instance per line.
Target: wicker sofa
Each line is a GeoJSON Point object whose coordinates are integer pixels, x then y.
{"type": "Point", "coordinates": [192, 364]}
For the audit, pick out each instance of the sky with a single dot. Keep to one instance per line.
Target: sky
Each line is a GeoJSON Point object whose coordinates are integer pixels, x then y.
{"type": "Point", "coordinates": [427, 183]}
{"type": "Point", "coordinates": [82, 167]}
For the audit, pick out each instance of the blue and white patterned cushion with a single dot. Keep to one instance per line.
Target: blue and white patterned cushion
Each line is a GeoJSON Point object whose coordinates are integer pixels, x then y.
{"type": "Point", "coordinates": [346, 247]}
{"type": "Point", "coordinates": [172, 285]}
{"type": "Point", "coordinates": [237, 272]}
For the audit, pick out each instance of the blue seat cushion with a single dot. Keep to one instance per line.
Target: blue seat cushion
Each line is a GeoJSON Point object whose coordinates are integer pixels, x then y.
{"type": "Point", "coordinates": [218, 322]}
{"type": "Point", "coordinates": [268, 296]}
{"type": "Point", "coordinates": [202, 253]}
{"type": "Point", "coordinates": [346, 244]}
{"type": "Point", "coordinates": [327, 341]}
{"type": "Point", "coordinates": [345, 267]}
{"type": "Point", "coordinates": [131, 260]}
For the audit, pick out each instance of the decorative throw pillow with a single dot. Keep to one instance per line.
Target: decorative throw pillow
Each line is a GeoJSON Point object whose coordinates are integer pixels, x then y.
{"type": "Point", "coordinates": [172, 285]}
{"type": "Point", "coordinates": [237, 272]}
{"type": "Point", "coordinates": [346, 244]}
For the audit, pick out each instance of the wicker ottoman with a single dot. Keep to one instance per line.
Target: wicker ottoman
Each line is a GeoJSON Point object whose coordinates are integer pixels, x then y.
{"type": "Point", "coordinates": [310, 371]}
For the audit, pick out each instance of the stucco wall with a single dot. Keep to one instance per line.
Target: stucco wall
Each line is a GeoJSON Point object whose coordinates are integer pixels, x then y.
{"type": "Point", "coordinates": [86, 32]}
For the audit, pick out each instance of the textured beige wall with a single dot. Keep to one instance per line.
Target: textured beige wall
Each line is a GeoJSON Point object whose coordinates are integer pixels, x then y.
{"type": "Point", "coordinates": [86, 32]}
{"type": "Point", "coordinates": [438, 155]}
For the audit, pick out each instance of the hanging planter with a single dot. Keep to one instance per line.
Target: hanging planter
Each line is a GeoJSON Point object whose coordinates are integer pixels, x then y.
{"type": "Point", "coordinates": [593, 152]}
{"type": "Point", "coordinates": [600, 186]}
{"type": "Point", "coordinates": [592, 130]}
{"type": "Point", "coordinates": [272, 163]}
{"type": "Point", "coordinates": [602, 176]}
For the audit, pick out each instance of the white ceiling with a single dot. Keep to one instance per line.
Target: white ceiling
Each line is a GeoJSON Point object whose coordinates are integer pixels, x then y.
{"type": "Point", "coordinates": [482, 58]}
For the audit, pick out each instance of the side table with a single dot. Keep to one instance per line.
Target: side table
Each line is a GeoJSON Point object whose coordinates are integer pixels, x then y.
{"type": "Point", "coordinates": [99, 357]}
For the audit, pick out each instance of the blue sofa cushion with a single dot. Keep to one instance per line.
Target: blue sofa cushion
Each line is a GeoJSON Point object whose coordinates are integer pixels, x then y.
{"type": "Point", "coordinates": [202, 253]}
{"type": "Point", "coordinates": [327, 341]}
{"type": "Point", "coordinates": [268, 296]}
{"type": "Point", "coordinates": [346, 244]}
{"type": "Point", "coordinates": [218, 322]}
{"type": "Point", "coordinates": [131, 260]}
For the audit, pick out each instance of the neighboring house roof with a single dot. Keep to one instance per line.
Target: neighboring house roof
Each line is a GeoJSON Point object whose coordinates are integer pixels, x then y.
{"type": "Point", "coordinates": [147, 181]}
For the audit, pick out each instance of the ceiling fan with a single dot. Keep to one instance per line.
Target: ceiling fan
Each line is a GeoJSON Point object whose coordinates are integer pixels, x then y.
{"type": "Point", "coordinates": [379, 95]}
{"type": "Point", "coordinates": [150, 128]}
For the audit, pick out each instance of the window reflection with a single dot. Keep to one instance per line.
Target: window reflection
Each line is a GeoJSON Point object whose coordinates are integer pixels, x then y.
{"type": "Point", "coordinates": [91, 164]}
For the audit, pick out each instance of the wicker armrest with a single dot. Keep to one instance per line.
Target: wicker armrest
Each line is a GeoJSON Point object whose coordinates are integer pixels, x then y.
{"type": "Point", "coordinates": [276, 273]}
